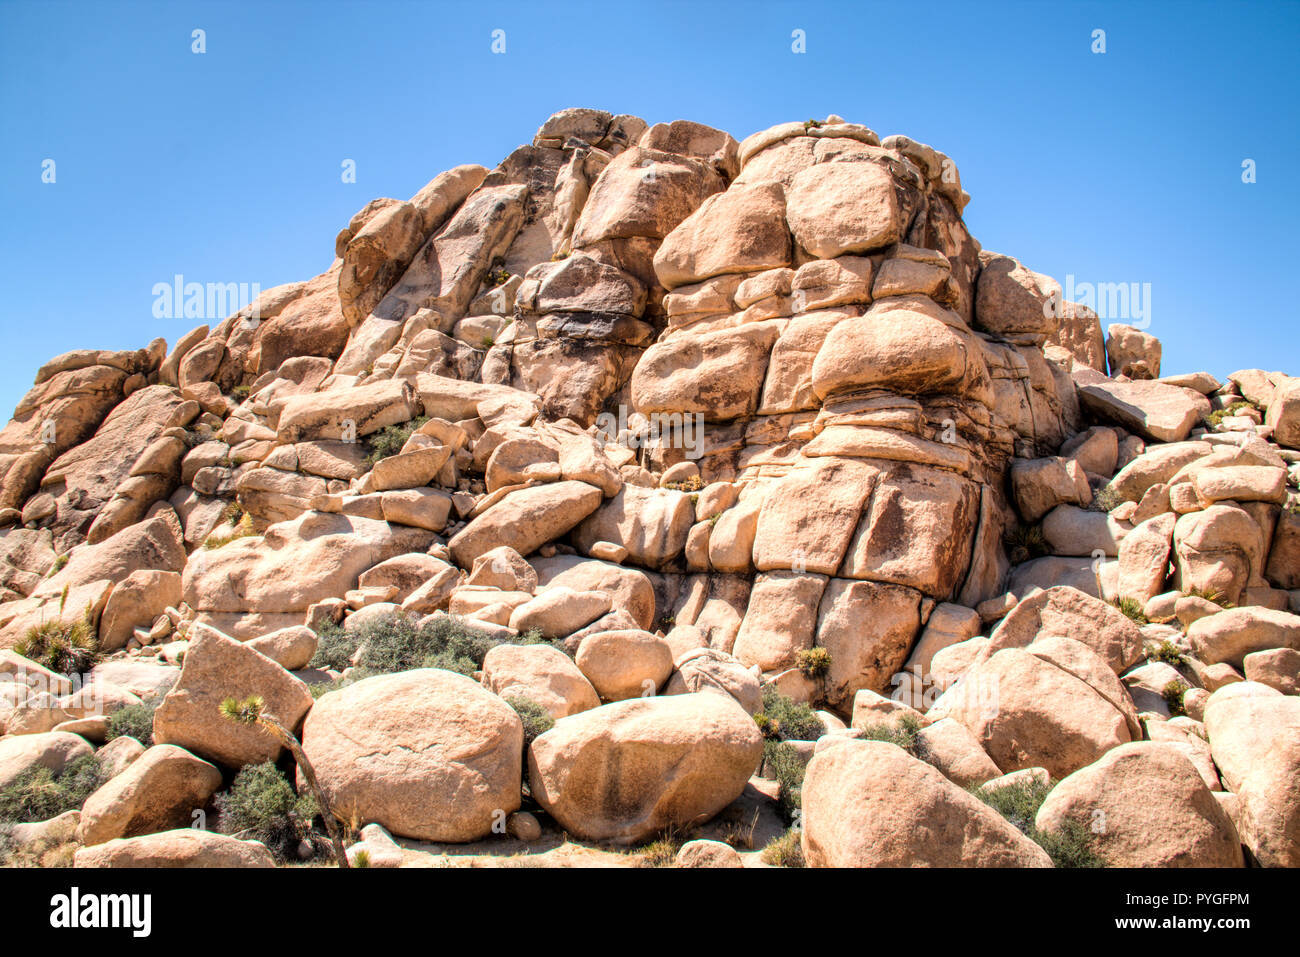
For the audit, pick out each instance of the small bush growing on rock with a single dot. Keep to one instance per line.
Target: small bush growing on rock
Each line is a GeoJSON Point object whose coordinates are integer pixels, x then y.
{"type": "Point", "coordinates": [397, 642]}
{"type": "Point", "coordinates": [537, 720]}
{"type": "Point", "coordinates": [261, 805]}
{"type": "Point", "coordinates": [1072, 846]}
{"type": "Point", "coordinates": [662, 851]}
{"type": "Point", "coordinates": [785, 851]}
{"type": "Point", "coordinates": [225, 534]}
{"type": "Point", "coordinates": [1106, 499]}
{"type": "Point", "coordinates": [390, 439]}
{"type": "Point", "coordinates": [692, 484]}
{"type": "Point", "coordinates": [38, 794]}
{"type": "Point", "coordinates": [1210, 595]}
{"type": "Point", "coordinates": [1132, 608]}
{"type": "Point", "coordinates": [784, 763]}
{"type": "Point", "coordinates": [1215, 418]}
{"type": "Point", "coordinates": [813, 662]}
{"type": "Point", "coordinates": [59, 562]}
{"type": "Point", "coordinates": [1025, 542]}
{"type": "Point", "coordinates": [133, 721]}
{"type": "Point", "coordinates": [1173, 694]}
{"type": "Point", "coordinates": [1168, 652]}
{"type": "Point", "coordinates": [785, 719]}
{"type": "Point", "coordinates": [66, 647]}
{"type": "Point", "coordinates": [905, 732]}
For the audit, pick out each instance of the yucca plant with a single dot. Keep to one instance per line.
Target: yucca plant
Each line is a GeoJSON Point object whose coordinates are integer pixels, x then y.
{"type": "Point", "coordinates": [65, 647]}
{"type": "Point", "coordinates": [252, 711]}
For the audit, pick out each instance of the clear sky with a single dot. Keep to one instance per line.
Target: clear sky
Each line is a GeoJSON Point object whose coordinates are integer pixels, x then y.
{"type": "Point", "coordinates": [225, 166]}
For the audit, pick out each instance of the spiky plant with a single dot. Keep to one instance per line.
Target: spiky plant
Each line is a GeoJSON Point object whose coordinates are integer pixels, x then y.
{"type": "Point", "coordinates": [252, 711]}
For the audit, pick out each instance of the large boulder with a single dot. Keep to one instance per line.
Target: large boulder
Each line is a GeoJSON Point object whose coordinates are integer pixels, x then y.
{"type": "Point", "coordinates": [217, 667]}
{"type": "Point", "coordinates": [871, 804]}
{"type": "Point", "coordinates": [526, 520]}
{"type": "Point", "coordinates": [1228, 636]}
{"type": "Point", "coordinates": [1153, 410]}
{"type": "Point", "coordinates": [184, 847]}
{"type": "Point", "coordinates": [1147, 806]}
{"type": "Point", "coordinates": [53, 750]}
{"type": "Point", "coordinates": [427, 754]}
{"type": "Point", "coordinates": [625, 771]}
{"type": "Point", "coordinates": [158, 791]}
{"type": "Point", "coordinates": [1254, 736]}
{"type": "Point", "coordinates": [625, 664]}
{"type": "Point", "coordinates": [1069, 612]}
{"type": "Point", "coordinates": [542, 674]}
{"type": "Point", "coordinates": [1028, 712]}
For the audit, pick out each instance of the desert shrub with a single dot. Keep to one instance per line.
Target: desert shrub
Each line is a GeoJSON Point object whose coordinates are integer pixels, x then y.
{"type": "Point", "coordinates": [537, 720]}
{"type": "Point", "coordinates": [813, 662]}
{"type": "Point", "coordinates": [59, 562]}
{"type": "Point", "coordinates": [1173, 694]}
{"type": "Point", "coordinates": [1106, 499]}
{"type": "Point", "coordinates": [904, 732]}
{"type": "Point", "coordinates": [134, 721]}
{"type": "Point", "coordinates": [662, 851]}
{"type": "Point", "coordinates": [692, 484]}
{"type": "Point", "coordinates": [1216, 417]}
{"type": "Point", "coordinates": [398, 642]}
{"type": "Point", "coordinates": [785, 851]}
{"type": "Point", "coordinates": [785, 764]}
{"type": "Point", "coordinates": [785, 719]}
{"type": "Point", "coordinates": [390, 439]}
{"type": "Point", "coordinates": [230, 531]}
{"type": "Point", "coordinates": [1072, 846]}
{"type": "Point", "coordinates": [261, 805]}
{"type": "Point", "coordinates": [1209, 594]}
{"type": "Point", "coordinates": [1132, 609]}
{"type": "Point", "coordinates": [39, 794]}
{"type": "Point", "coordinates": [1166, 651]}
{"type": "Point", "coordinates": [66, 647]}
{"type": "Point", "coordinates": [1025, 542]}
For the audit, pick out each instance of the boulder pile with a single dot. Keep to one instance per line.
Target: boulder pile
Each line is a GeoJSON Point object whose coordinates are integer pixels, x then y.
{"type": "Point", "coordinates": [649, 477]}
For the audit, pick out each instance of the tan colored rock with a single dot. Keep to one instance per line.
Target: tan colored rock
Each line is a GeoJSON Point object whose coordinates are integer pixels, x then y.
{"type": "Point", "coordinates": [134, 603]}
{"type": "Point", "coordinates": [1011, 299]}
{"type": "Point", "coordinates": [710, 670]}
{"type": "Point", "coordinates": [1153, 410]}
{"type": "Point", "coordinates": [1147, 807]}
{"type": "Point", "coordinates": [792, 535]}
{"type": "Point", "coordinates": [865, 658]}
{"type": "Point", "coordinates": [1132, 352]}
{"type": "Point", "coordinates": [1040, 485]}
{"type": "Point", "coordinates": [1241, 483]}
{"type": "Point", "coordinates": [870, 804]}
{"type": "Point", "coordinates": [1144, 558]}
{"type": "Point", "coordinates": [526, 520]}
{"type": "Point", "coordinates": [949, 746]}
{"type": "Point", "coordinates": [1219, 549]}
{"type": "Point", "coordinates": [652, 524]}
{"type": "Point", "coordinates": [740, 230]}
{"type": "Point", "coordinates": [216, 668]}
{"type": "Point", "coordinates": [503, 568]}
{"type": "Point", "coordinates": [781, 619]}
{"type": "Point", "coordinates": [52, 749]}
{"type": "Point", "coordinates": [700, 853]}
{"type": "Point", "coordinates": [291, 648]}
{"type": "Point", "coordinates": [184, 847]}
{"type": "Point", "coordinates": [838, 208]}
{"type": "Point", "coordinates": [367, 408]}
{"type": "Point", "coordinates": [1229, 636]}
{"type": "Point", "coordinates": [406, 573]}
{"type": "Point", "coordinates": [427, 754]}
{"type": "Point", "coordinates": [157, 792]}
{"type": "Point", "coordinates": [1067, 611]}
{"type": "Point", "coordinates": [629, 589]}
{"type": "Point", "coordinates": [539, 673]}
{"type": "Point", "coordinates": [1255, 738]}
{"type": "Point", "coordinates": [1284, 414]}
{"type": "Point", "coordinates": [558, 611]}
{"type": "Point", "coordinates": [1278, 668]}
{"type": "Point", "coordinates": [718, 374]}
{"type": "Point", "coordinates": [625, 664]}
{"type": "Point", "coordinates": [1027, 712]}
{"type": "Point", "coordinates": [627, 770]}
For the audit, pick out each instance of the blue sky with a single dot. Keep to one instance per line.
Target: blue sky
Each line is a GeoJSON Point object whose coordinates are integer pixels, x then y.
{"type": "Point", "coordinates": [225, 167]}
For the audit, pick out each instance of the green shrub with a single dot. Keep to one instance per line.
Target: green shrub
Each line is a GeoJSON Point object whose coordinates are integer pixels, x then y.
{"type": "Point", "coordinates": [397, 642]}
{"type": "Point", "coordinates": [813, 662]}
{"type": "Point", "coordinates": [785, 851]}
{"type": "Point", "coordinates": [134, 721]}
{"type": "Point", "coordinates": [785, 764]}
{"type": "Point", "coordinates": [785, 719]}
{"type": "Point", "coordinates": [904, 732]}
{"type": "Point", "coordinates": [1168, 652]}
{"type": "Point", "coordinates": [1218, 415]}
{"type": "Point", "coordinates": [1072, 846]}
{"type": "Point", "coordinates": [390, 439]}
{"type": "Point", "coordinates": [1025, 542]}
{"type": "Point", "coordinates": [38, 794]}
{"type": "Point", "coordinates": [66, 647]}
{"type": "Point", "coordinates": [261, 805]}
{"type": "Point", "coordinates": [662, 851]}
{"type": "Point", "coordinates": [1106, 499]}
{"type": "Point", "coordinates": [224, 534]}
{"type": "Point", "coordinates": [1173, 694]}
{"type": "Point", "coordinates": [59, 562]}
{"type": "Point", "coordinates": [1132, 609]}
{"type": "Point", "coordinates": [537, 720]}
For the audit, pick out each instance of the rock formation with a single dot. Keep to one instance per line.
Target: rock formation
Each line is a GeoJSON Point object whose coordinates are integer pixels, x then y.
{"type": "Point", "coordinates": [717, 423]}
